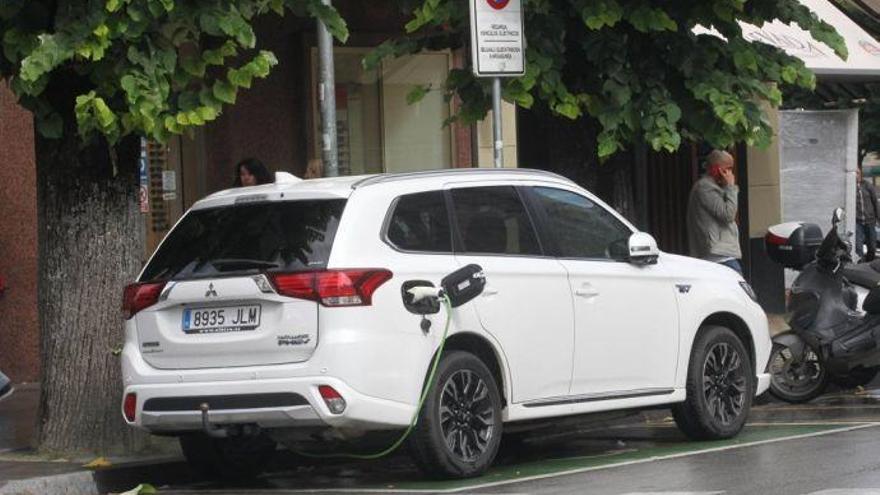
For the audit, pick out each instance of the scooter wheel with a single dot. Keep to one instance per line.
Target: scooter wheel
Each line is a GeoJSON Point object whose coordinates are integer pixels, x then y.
{"type": "Point", "coordinates": [796, 379]}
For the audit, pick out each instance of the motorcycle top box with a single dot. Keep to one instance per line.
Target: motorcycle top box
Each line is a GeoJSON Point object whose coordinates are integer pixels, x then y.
{"type": "Point", "coordinates": [793, 244]}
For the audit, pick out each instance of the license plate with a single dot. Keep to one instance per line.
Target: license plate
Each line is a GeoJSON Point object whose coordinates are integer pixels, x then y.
{"type": "Point", "coordinates": [221, 319]}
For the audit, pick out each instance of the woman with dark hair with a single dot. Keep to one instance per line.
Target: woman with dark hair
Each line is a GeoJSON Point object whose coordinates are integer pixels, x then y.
{"type": "Point", "coordinates": [251, 172]}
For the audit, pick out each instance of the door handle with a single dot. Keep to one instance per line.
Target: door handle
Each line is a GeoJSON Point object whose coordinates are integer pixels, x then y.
{"type": "Point", "coordinates": [587, 291]}
{"type": "Point", "coordinates": [489, 291]}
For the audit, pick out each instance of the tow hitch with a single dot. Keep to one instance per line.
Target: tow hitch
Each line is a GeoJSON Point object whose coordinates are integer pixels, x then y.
{"type": "Point", "coordinates": [215, 431]}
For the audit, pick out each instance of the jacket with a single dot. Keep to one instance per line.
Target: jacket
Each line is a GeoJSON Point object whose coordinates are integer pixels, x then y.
{"type": "Point", "coordinates": [866, 209]}
{"type": "Point", "coordinates": [711, 221]}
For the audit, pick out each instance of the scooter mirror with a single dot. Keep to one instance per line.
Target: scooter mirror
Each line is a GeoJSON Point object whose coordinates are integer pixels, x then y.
{"type": "Point", "coordinates": [838, 216]}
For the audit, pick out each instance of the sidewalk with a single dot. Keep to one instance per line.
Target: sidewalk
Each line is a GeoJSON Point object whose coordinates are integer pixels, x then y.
{"type": "Point", "coordinates": [23, 472]}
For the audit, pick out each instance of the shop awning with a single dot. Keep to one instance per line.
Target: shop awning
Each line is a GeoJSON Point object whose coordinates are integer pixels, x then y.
{"type": "Point", "coordinates": [864, 51]}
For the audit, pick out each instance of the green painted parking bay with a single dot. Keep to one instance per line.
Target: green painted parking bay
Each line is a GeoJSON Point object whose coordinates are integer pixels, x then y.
{"type": "Point", "coordinates": [577, 453]}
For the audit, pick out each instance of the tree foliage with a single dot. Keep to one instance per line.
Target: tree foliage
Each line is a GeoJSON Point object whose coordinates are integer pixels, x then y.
{"type": "Point", "coordinates": [636, 66]}
{"type": "Point", "coordinates": [147, 67]}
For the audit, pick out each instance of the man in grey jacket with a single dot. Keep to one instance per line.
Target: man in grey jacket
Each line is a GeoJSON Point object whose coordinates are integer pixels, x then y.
{"type": "Point", "coordinates": [711, 215]}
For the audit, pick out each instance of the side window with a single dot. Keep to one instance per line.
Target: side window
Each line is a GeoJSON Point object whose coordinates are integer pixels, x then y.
{"type": "Point", "coordinates": [420, 222]}
{"type": "Point", "coordinates": [582, 228]}
{"type": "Point", "coordinates": [493, 220]}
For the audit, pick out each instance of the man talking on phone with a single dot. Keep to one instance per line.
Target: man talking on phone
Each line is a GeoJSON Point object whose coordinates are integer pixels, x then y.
{"type": "Point", "coordinates": [711, 215]}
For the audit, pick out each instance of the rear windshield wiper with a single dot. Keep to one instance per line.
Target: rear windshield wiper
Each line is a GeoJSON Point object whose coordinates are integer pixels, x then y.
{"type": "Point", "coordinates": [241, 264]}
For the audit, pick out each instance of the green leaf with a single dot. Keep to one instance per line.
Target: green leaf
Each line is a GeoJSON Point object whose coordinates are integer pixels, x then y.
{"type": "Point", "coordinates": [51, 126]}
{"type": "Point", "coordinates": [417, 93]}
{"type": "Point", "coordinates": [224, 92]}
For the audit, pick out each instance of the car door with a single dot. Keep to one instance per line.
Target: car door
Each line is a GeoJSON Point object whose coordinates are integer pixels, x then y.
{"type": "Point", "coordinates": [626, 317]}
{"type": "Point", "coordinates": [526, 304]}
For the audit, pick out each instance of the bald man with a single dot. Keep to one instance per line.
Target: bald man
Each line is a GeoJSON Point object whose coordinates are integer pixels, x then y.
{"type": "Point", "coordinates": [711, 215]}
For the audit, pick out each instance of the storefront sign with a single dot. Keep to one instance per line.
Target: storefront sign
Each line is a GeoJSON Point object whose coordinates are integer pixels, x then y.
{"type": "Point", "coordinates": [497, 38]}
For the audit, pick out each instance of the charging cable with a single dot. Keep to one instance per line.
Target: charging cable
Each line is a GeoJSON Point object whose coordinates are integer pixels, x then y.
{"type": "Point", "coordinates": [418, 293]}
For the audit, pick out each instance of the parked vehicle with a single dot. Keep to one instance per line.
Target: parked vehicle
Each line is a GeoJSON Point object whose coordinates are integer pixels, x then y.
{"type": "Point", "coordinates": [830, 339]}
{"type": "Point", "coordinates": [284, 313]}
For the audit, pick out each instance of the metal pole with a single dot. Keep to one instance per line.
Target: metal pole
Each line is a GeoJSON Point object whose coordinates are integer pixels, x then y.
{"type": "Point", "coordinates": [327, 97]}
{"type": "Point", "coordinates": [496, 123]}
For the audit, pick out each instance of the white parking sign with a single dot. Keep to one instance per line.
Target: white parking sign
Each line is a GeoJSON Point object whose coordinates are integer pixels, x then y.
{"type": "Point", "coordinates": [497, 45]}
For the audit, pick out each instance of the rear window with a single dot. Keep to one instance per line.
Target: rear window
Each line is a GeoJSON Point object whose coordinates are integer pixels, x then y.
{"type": "Point", "coordinates": [285, 236]}
{"type": "Point", "coordinates": [421, 223]}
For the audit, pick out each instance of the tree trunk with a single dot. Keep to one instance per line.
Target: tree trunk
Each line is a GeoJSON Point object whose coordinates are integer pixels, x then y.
{"type": "Point", "coordinates": [90, 245]}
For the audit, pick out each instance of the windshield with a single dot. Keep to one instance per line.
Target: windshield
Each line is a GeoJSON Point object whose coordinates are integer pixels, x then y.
{"type": "Point", "coordinates": [283, 235]}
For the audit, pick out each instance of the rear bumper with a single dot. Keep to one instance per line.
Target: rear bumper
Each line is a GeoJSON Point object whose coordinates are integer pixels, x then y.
{"type": "Point", "coordinates": [277, 403]}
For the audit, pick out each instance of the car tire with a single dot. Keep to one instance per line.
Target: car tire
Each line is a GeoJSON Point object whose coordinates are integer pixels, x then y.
{"type": "Point", "coordinates": [459, 427]}
{"type": "Point", "coordinates": [234, 458]}
{"type": "Point", "coordinates": [720, 409]}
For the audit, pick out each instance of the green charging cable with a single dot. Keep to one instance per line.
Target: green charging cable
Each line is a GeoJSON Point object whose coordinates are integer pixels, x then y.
{"type": "Point", "coordinates": [412, 424]}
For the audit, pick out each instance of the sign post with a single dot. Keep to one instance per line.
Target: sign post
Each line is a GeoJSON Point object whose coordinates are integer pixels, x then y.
{"type": "Point", "coordinates": [497, 50]}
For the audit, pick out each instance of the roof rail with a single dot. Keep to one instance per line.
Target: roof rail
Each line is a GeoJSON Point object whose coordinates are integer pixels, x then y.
{"type": "Point", "coordinates": [383, 178]}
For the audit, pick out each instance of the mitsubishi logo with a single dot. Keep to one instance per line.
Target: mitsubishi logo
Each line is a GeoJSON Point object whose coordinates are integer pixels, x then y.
{"type": "Point", "coordinates": [211, 292]}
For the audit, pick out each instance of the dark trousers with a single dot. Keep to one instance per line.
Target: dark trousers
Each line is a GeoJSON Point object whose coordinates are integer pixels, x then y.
{"type": "Point", "coordinates": [866, 236]}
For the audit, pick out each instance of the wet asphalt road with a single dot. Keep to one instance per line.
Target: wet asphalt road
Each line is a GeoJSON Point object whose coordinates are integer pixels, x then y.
{"type": "Point", "coordinates": [848, 460]}
{"type": "Point", "coordinates": [828, 447]}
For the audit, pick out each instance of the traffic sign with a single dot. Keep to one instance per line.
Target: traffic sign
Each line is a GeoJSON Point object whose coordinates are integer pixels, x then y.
{"type": "Point", "coordinates": [497, 38]}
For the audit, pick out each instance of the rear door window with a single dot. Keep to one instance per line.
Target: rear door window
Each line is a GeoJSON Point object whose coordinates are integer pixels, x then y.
{"type": "Point", "coordinates": [249, 238]}
{"type": "Point", "coordinates": [420, 222]}
{"type": "Point", "coordinates": [493, 220]}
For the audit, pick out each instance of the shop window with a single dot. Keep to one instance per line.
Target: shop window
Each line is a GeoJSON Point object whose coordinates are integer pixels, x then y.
{"type": "Point", "coordinates": [377, 130]}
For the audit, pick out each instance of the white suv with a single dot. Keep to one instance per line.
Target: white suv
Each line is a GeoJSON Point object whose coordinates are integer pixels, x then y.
{"type": "Point", "coordinates": [281, 314]}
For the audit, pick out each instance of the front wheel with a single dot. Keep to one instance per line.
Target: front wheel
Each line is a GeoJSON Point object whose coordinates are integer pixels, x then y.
{"type": "Point", "coordinates": [796, 377]}
{"type": "Point", "coordinates": [719, 387]}
{"type": "Point", "coordinates": [459, 427]}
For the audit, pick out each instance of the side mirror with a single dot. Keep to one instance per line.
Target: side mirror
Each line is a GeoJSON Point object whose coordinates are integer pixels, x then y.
{"type": "Point", "coordinates": [464, 284]}
{"type": "Point", "coordinates": [639, 249]}
{"type": "Point", "coordinates": [838, 216]}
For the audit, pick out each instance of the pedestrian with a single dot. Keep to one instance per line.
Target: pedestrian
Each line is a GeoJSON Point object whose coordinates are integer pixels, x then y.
{"type": "Point", "coordinates": [867, 212]}
{"type": "Point", "coordinates": [314, 169]}
{"type": "Point", "coordinates": [251, 172]}
{"type": "Point", "coordinates": [711, 214]}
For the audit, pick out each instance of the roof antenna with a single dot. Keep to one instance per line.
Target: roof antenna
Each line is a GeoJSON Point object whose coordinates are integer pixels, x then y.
{"type": "Point", "coordinates": [286, 178]}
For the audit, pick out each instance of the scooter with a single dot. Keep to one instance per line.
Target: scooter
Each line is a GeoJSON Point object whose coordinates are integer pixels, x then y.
{"type": "Point", "coordinates": [830, 339]}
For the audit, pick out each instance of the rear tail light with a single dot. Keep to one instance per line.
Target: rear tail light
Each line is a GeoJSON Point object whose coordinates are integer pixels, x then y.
{"type": "Point", "coordinates": [139, 296]}
{"type": "Point", "coordinates": [331, 397]}
{"type": "Point", "coordinates": [129, 407]}
{"type": "Point", "coordinates": [333, 288]}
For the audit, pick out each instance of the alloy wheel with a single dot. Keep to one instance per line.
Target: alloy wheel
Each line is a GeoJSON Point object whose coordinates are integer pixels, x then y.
{"type": "Point", "coordinates": [725, 383]}
{"type": "Point", "coordinates": [467, 415]}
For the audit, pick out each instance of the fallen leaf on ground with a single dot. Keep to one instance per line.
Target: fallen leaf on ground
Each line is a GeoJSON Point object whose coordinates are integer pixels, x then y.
{"type": "Point", "coordinates": [99, 463]}
{"type": "Point", "coordinates": [142, 489]}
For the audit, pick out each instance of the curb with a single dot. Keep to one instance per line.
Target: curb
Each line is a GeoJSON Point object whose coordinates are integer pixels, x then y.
{"type": "Point", "coordinates": [116, 479]}
{"type": "Point", "coordinates": [79, 483]}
